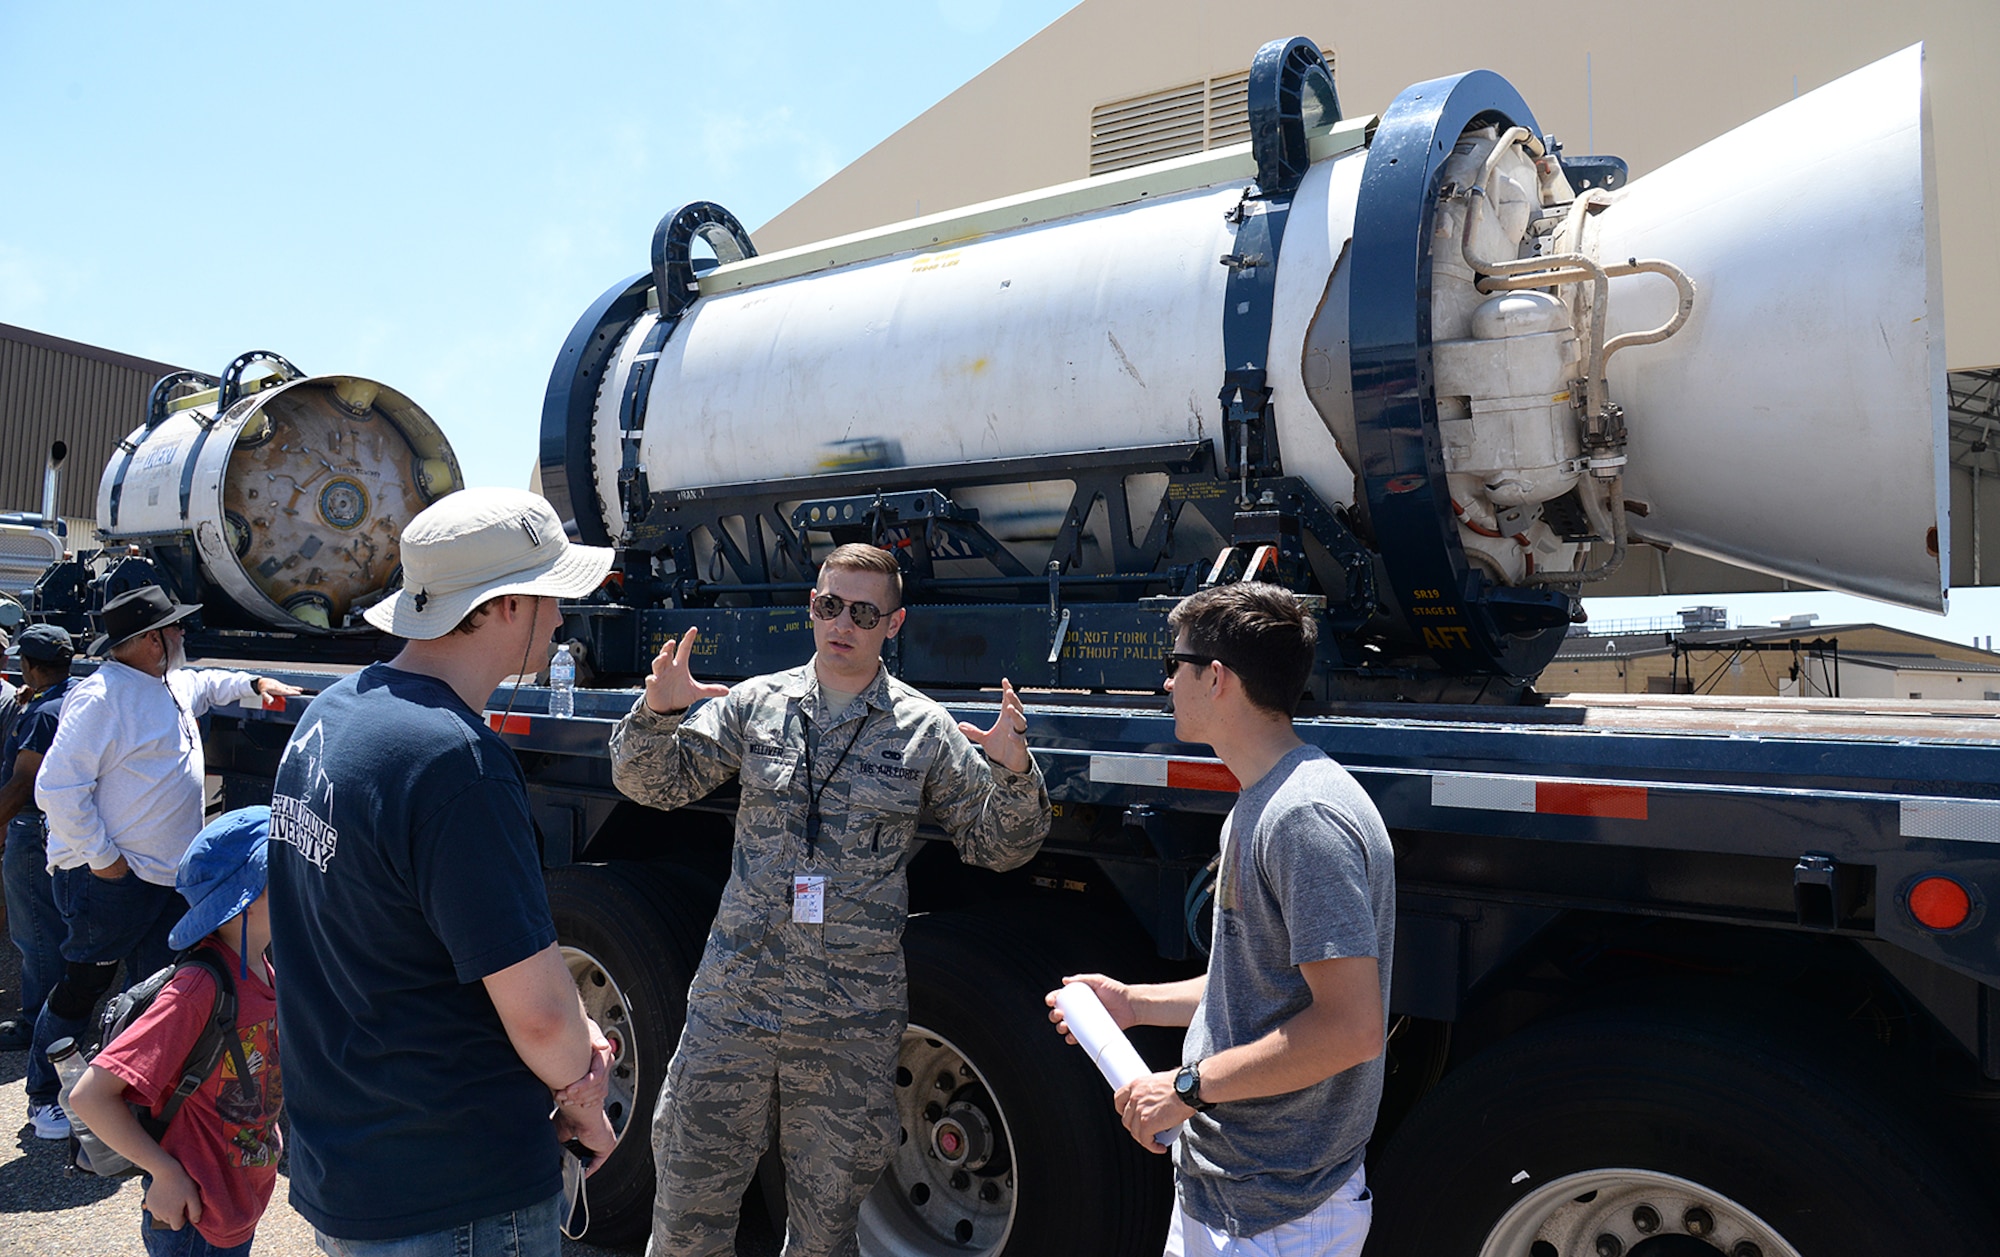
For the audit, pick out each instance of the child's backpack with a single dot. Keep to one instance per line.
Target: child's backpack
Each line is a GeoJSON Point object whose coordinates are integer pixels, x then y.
{"type": "Point", "coordinates": [90, 1154]}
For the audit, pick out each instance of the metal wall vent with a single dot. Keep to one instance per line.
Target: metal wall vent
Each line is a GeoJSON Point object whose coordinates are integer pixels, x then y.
{"type": "Point", "coordinates": [1149, 128]}
{"type": "Point", "coordinates": [1172, 122]}
{"type": "Point", "coordinates": [1229, 109]}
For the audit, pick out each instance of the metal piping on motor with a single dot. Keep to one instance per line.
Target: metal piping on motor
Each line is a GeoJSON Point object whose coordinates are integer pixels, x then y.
{"type": "Point", "coordinates": [1620, 543]}
{"type": "Point", "coordinates": [1603, 421]}
{"type": "Point", "coordinates": [1563, 268]}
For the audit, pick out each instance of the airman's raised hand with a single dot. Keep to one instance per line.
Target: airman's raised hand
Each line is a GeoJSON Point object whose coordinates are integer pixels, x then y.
{"type": "Point", "coordinates": [1006, 743]}
{"type": "Point", "coordinates": [672, 687]}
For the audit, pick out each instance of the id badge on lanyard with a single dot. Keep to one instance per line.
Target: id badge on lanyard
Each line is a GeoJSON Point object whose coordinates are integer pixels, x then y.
{"type": "Point", "coordinates": [809, 889]}
{"type": "Point", "coordinates": [809, 899]}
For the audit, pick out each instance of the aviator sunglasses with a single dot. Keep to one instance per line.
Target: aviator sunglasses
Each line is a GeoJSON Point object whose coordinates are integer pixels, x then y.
{"type": "Point", "coordinates": [829, 606]}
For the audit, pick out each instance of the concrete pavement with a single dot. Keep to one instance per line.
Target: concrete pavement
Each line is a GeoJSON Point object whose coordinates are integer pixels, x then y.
{"type": "Point", "coordinates": [45, 1212]}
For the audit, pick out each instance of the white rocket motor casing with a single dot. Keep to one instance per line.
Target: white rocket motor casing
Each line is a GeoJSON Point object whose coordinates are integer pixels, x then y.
{"type": "Point", "coordinates": [1093, 332]}
{"type": "Point", "coordinates": [295, 498]}
{"type": "Point", "coordinates": [1794, 425]}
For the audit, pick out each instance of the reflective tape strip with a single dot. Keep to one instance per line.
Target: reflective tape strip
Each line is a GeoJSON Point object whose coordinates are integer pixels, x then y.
{"type": "Point", "coordinates": [500, 722]}
{"type": "Point", "coordinates": [1129, 770]}
{"type": "Point", "coordinates": [1589, 798]}
{"type": "Point", "coordinates": [1489, 794]}
{"type": "Point", "coordinates": [1201, 774]}
{"type": "Point", "coordinates": [1549, 798]}
{"type": "Point", "coordinates": [1968, 821]}
{"type": "Point", "coordinates": [1160, 770]}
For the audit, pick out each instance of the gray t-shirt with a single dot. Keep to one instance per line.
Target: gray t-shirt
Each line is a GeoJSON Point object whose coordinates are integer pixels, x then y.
{"type": "Point", "coordinates": [1307, 874]}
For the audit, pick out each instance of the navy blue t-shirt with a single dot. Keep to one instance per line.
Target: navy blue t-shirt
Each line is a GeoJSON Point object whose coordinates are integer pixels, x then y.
{"type": "Point", "coordinates": [34, 730]}
{"type": "Point", "coordinates": [403, 871]}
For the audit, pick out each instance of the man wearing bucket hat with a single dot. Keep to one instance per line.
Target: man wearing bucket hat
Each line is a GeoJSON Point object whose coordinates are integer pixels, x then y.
{"type": "Point", "coordinates": [33, 924]}
{"type": "Point", "coordinates": [122, 786]}
{"type": "Point", "coordinates": [427, 1010]}
{"type": "Point", "coordinates": [213, 1166]}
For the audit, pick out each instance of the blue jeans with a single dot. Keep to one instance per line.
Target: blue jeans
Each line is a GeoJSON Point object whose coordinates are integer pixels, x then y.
{"type": "Point", "coordinates": [531, 1232]}
{"type": "Point", "coordinates": [104, 922]}
{"type": "Point", "coordinates": [186, 1242]}
{"type": "Point", "coordinates": [33, 923]}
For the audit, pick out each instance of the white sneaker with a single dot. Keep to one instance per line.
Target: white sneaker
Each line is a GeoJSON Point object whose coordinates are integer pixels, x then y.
{"type": "Point", "coordinates": [49, 1121]}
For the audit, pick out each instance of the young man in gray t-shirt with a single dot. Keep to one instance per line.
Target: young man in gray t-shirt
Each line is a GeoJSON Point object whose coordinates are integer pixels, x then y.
{"type": "Point", "coordinates": [1282, 1063]}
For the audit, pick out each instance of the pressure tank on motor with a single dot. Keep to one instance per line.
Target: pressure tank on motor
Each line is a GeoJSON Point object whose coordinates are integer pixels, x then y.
{"type": "Point", "coordinates": [1500, 370]}
{"type": "Point", "coordinates": [291, 492]}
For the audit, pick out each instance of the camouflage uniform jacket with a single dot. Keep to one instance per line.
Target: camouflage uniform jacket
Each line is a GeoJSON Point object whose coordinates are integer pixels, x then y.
{"type": "Point", "coordinates": [907, 759]}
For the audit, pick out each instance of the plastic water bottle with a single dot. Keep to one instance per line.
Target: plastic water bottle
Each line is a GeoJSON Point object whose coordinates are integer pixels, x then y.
{"type": "Point", "coordinates": [562, 684]}
{"type": "Point", "coordinates": [93, 1153]}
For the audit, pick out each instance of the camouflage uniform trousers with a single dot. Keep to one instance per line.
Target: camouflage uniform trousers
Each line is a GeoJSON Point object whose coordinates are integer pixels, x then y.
{"type": "Point", "coordinates": [830, 1100]}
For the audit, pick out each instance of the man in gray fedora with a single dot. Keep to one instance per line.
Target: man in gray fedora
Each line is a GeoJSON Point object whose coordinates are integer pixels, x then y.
{"type": "Point", "coordinates": [122, 788]}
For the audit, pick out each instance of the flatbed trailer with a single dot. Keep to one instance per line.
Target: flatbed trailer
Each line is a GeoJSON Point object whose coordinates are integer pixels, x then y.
{"type": "Point", "coordinates": [1693, 913]}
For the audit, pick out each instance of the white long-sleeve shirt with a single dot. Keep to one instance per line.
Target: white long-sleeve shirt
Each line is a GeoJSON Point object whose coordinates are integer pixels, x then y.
{"type": "Point", "coordinates": [124, 776]}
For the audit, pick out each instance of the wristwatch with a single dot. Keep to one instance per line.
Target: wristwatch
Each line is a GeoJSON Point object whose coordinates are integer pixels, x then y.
{"type": "Point", "coordinates": [1187, 1088]}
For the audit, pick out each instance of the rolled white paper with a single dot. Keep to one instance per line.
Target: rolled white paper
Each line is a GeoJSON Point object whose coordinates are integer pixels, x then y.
{"type": "Point", "coordinates": [1104, 1042]}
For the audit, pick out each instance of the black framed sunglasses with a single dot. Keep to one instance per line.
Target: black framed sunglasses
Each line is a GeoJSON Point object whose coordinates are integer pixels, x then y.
{"type": "Point", "coordinates": [1175, 658]}
{"type": "Point", "coordinates": [829, 606]}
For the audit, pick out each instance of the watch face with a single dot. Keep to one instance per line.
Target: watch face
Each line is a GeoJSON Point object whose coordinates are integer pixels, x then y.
{"type": "Point", "coordinates": [1185, 1084]}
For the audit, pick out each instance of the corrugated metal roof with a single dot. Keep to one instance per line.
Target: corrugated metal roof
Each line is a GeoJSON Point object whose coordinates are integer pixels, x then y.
{"type": "Point", "coordinates": [53, 389]}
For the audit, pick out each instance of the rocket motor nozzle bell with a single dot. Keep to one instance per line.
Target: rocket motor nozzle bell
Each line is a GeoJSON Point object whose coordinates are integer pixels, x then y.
{"type": "Point", "coordinates": [1811, 372]}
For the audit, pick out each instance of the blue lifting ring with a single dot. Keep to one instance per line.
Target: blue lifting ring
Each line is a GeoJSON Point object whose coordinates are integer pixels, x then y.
{"type": "Point", "coordinates": [674, 271]}
{"type": "Point", "coordinates": [568, 475]}
{"type": "Point", "coordinates": [1290, 92]}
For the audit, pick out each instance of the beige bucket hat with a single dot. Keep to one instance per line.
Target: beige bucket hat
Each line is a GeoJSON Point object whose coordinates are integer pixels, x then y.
{"type": "Point", "coordinates": [478, 544]}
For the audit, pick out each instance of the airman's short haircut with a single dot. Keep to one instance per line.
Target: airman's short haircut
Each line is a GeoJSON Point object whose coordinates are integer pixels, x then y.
{"type": "Point", "coordinates": [858, 556]}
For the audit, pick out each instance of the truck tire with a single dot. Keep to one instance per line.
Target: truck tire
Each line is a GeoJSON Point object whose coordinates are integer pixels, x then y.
{"type": "Point", "coordinates": [1056, 1172]}
{"type": "Point", "coordinates": [631, 936]}
{"type": "Point", "coordinates": [1630, 1131]}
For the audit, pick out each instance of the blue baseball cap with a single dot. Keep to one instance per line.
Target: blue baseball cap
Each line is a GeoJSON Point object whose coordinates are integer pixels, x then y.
{"type": "Point", "coordinates": [222, 872]}
{"type": "Point", "coordinates": [45, 643]}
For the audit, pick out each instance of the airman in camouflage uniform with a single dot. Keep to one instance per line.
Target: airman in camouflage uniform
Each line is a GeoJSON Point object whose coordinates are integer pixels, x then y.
{"type": "Point", "coordinates": [794, 1024]}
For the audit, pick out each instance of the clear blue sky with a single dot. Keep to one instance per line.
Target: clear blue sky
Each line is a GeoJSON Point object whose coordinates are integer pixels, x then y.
{"type": "Point", "coordinates": [431, 194]}
{"type": "Point", "coordinates": [425, 194]}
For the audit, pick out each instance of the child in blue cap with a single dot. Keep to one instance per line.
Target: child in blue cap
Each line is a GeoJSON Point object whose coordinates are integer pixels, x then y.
{"type": "Point", "coordinates": [210, 1173]}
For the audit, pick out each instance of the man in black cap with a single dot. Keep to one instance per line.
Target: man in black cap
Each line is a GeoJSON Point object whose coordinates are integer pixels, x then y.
{"type": "Point", "coordinates": [122, 786]}
{"type": "Point", "coordinates": [32, 921]}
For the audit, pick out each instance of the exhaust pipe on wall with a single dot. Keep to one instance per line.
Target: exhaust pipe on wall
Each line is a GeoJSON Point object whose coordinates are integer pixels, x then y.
{"type": "Point", "coordinates": [57, 452]}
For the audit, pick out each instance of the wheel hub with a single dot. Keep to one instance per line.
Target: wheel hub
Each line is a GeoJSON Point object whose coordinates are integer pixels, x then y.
{"type": "Point", "coordinates": [1631, 1213]}
{"type": "Point", "coordinates": [963, 1138]}
{"type": "Point", "coordinates": [605, 1004]}
{"type": "Point", "coordinates": [949, 1186]}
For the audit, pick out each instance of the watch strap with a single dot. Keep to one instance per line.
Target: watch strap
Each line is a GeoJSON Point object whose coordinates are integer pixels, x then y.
{"type": "Point", "coordinates": [1187, 1086]}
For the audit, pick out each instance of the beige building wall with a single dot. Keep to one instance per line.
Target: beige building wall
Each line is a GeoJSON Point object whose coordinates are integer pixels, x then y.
{"type": "Point", "coordinates": [1764, 674]}
{"type": "Point", "coordinates": [1867, 682]}
{"type": "Point", "coordinates": [1647, 81]}
{"type": "Point", "coordinates": [1594, 676]}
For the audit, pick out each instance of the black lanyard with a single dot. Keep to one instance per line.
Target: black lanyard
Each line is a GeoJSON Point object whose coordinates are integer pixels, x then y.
{"type": "Point", "coordinates": [812, 794]}
{"type": "Point", "coordinates": [190, 728]}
